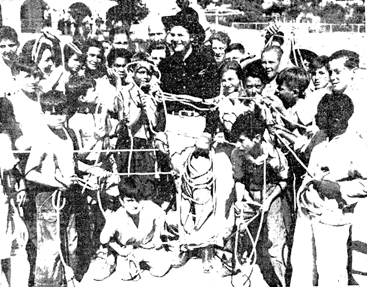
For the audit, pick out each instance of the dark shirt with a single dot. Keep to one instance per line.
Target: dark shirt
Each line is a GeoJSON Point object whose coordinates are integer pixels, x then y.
{"type": "Point", "coordinates": [197, 76]}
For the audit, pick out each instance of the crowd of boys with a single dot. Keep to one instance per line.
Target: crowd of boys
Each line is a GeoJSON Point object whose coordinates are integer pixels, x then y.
{"type": "Point", "coordinates": [94, 143]}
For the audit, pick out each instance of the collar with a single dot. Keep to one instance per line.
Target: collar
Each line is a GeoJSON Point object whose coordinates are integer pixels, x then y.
{"type": "Point", "coordinates": [89, 109]}
{"type": "Point", "coordinates": [189, 52]}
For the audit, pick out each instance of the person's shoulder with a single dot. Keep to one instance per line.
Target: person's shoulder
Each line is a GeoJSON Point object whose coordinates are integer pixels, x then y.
{"type": "Point", "coordinates": [166, 63]}
{"type": "Point", "coordinates": [150, 206]}
{"type": "Point", "coordinates": [203, 55]}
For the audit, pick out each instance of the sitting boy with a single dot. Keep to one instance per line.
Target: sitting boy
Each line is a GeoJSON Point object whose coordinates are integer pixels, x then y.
{"type": "Point", "coordinates": [134, 231]}
{"type": "Point", "coordinates": [255, 162]}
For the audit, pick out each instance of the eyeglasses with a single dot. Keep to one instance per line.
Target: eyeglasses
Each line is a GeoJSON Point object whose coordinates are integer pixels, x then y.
{"type": "Point", "coordinates": [55, 109]}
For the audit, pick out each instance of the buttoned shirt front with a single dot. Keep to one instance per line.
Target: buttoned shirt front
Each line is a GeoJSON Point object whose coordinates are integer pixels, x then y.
{"type": "Point", "coordinates": [195, 76]}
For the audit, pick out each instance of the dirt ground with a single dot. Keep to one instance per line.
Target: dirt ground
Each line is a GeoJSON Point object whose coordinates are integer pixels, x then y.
{"type": "Point", "coordinates": [190, 274]}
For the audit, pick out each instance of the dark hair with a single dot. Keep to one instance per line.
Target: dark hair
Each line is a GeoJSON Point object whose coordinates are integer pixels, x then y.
{"type": "Point", "coordinates": [255, 70]}
{"type": "Point", "coordinates": [275, 49]}
{"type": "Point", "coordinates": [294, 78]}
{"type": "Point", "coordinates": [53, 98]}
{"type": "Point", "coordinates": [250, 124]}
{"type": "Point", "coordinates": [78, 86]}
{"type": "Point", "coordinates": [8, 33]}
{"type": "Point", "coordinates": [70, 50]}
{"type": "Point", "coordinates": [332, 105]}
{"type": "Point", "coordinates": [231, 65]}
{"type": "Point", "coordinates": [158, 45]}
{"type": "Point", "coordinates": [25, 64]}
{"type": "Point", "coordinates": [93, 43]}
{"type": "Point", "coordinates": [131, 187]}
{"type": "Point", "coordinates": [235, 46]}
{"type": "Point", "coordinates": [318, 63]}
{"type": "Point", "coordinates": [303, 54]}
{"type": "Point", "coordinates": [119, 30]}
{"type": "Point", "coordinates": [101, 69]}
{"type": "Point", "coordinates": [141, 56]}
{"type": "Point", "coordinates": [118, 53]}
{"type": "Point", "coordinates": [28, 47]}
{"type": "Point", "coordinates": [352, 58]}
{"type": "Point", "coordinates": [8, 124]}
{"type": "Point", "coordinates": [221, 37]}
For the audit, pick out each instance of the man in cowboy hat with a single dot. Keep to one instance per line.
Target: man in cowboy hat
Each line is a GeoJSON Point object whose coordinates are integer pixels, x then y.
{"type": "Point", "coordinates": [190, 70]}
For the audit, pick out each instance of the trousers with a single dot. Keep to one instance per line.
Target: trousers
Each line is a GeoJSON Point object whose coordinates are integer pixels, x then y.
{"type": "Point", "coordinates": [319, 250]}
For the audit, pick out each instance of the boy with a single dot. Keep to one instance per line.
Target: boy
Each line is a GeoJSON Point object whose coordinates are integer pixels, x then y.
{"type": "Point", "coordinates": [91, 120]}
{"type": "Point", "coordinates": [51, 172]}
{"type": "Point", "coordinates": [158, 51]}
{"type": "Point", "coordinates": [119, 37]}
{"type": "Point", "coordinates": [249, 160]}
{"type": "Point", "coordinates": [292, 83]}
{"type": "Point", "coordinates": [9, 45]}
{"type": "Point", "coordinates": [117, 60]}
{"type": "Point", "coordinates": [270, 59]}
{"type": "Point", "coordinates": [235, 52]}
{"type": "Point", "coordinates": [134, 232]}
{"type": "Point", "coordinates": [92, 126]}
{"type": "Point", "coordinates": [328, 197]}
{"type": "Point", "coordinates": [50, 169]}
{"type": "Point", "coordinates": [343, 66]}
{"type": "Point", "coordinates": [219, 42]}
{"type": "Point", "coordinates": [13, 232]}
{"type": "Point", "coordinates": [27, 109]}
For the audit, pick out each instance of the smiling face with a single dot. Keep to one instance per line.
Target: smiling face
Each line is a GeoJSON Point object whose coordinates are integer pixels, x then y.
{"type": "Point", "coordinates": [270, 62]}
{"type": "Point", "coordinates": [230, 82]}
{"type": "Point", "coordinates": [320, 78]}
{"type": "Point", "coordinates": [142, 76]}
{"type": "Point", "coordinates": [179, 39]}
{"type": "Point", "coordinates": [340, 76]}
{"type": "Point", "coordinates": [8, 50]}
{"type": "Point", "coordinates": [218, 48]}
{"type": "Point", "coordinates": [94, 58]}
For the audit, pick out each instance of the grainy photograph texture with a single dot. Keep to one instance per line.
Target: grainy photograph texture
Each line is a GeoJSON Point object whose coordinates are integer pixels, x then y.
{"type": "Point", "coordinates": [183, 143]}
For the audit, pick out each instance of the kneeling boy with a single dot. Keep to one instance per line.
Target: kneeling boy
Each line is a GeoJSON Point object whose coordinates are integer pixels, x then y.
{"type": "Point", "coordinates": [134, 231]}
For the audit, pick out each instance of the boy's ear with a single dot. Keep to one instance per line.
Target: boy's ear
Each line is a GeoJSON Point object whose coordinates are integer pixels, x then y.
{"type": "Point", "coordinates": [296, 92]}
{"type": "Point", "coordinates": [258, 138]}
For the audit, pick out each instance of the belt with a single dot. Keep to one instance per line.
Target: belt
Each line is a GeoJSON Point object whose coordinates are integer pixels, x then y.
{"type": "Point", "coordinates": [185, 113]}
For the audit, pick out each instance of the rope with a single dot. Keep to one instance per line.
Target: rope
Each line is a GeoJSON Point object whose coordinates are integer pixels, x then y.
{"type": "Point", "coordinates": [294, 154]}
{"type": "Point", "coordinates": [130, 152]}
{"type": "Point", "coordinates": [253, 255]}
{"type": "Point", "coordinates": [95, 151]}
